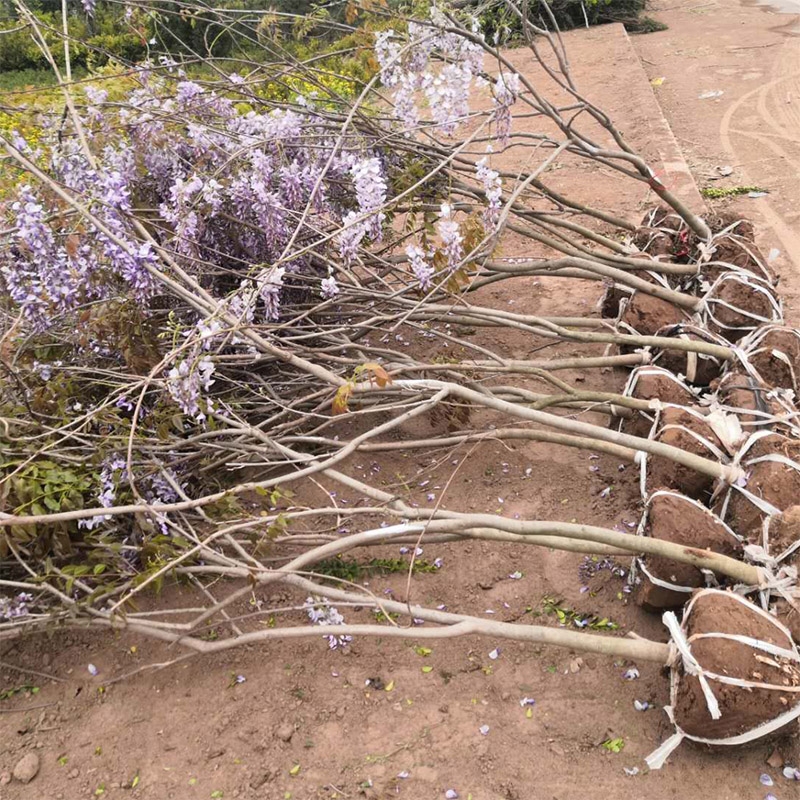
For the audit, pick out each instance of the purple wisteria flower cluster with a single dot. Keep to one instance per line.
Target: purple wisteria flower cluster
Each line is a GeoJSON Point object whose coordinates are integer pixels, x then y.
{"type": "Point", "coordinates": [408, 69]}
{"type": "Point", "coordinates": [12, 608]}
{"type": "Point", "coordinates": [241, 201]}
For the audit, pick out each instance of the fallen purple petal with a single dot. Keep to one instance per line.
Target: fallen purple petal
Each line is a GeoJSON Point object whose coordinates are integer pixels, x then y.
{"type": "Point", "coordinates": [643, 705]}
{"type": "Point", "coordinates": [515, 576]}
{"type": "Point", "coordinates": [483, 730]}
{"type": "Point", "coordinates": [526, 701]}
{"type": "Point", "coordinates": [631, 674]}
{"type": "Point", "coordinates": [791, 773]}
{"type": "Point", "coordinates": [766, 780]}
{"type": "Point", "coordinates": [93, 669]}
{"type": "Point", "coordinates": [451, 794]}
{"type": "Point", "coordinates": [495, 654]}
{"type": "Point", "coordinates": [403, 775]}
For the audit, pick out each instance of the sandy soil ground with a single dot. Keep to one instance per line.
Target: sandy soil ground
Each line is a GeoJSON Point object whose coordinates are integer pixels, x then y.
{"type": "Point", "coordinates": [387, 719]}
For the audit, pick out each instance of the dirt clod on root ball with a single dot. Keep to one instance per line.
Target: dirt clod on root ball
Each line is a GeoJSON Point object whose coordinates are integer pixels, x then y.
{"type": "Point", "coordinates": [677, 519]}
{"type": "Point", "coordinates": [736, 251]}
{"type": "Point", "coordinates": [743, 709]}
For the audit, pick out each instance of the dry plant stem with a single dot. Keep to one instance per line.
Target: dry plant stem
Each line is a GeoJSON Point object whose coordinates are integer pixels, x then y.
{"type": "Point", "coordinates": [634, 649]}
{"type": "Point", "coordinates": [706, 466]}
{"type": "Point", "coordinates": [502, 434]}
{"type": "Point", "coordinates": [483, 315]}
{"type": "Point", "coordinates": [530, 367]}
{"type": "Point", "coordinates": [582, 144]}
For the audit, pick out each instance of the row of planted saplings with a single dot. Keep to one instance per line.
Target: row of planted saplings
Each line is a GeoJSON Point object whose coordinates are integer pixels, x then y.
{"type": "Point", "coordinates": [737, 676]}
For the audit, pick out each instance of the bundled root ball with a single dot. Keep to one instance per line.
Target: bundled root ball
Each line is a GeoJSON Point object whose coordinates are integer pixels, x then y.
{"type": "Point", "coordinates": [656, 243]}
{"type": "Point", "coordinates": [730, 251]}
{"type": "Point", "coordinates": [750, 665]}
{"type": "Point", "coordinates": [645, 315]}
{"type": "Point", "coordinates": [687, 429]}
{"type": "Point", "coordinates": [773, 351]}
{"type": "Point", "coordinates": [755, 404]}
{"type": "Point", "coordinates": [665, 219]}
{"type": "Point", "coordinates": [676, 518]}
{"type": "Point", "coordinates": [738, 302]}
{"type": "Point", "coordinates": [771, 484]}
{"type": "Point", "coordinates": [658, 385]}
{"type": "Point", "coordinates": [780, 548]}
{"type": "Point", "coordinates": [618, 296]}
{"type": "Point", "coordinates": [698, 369]}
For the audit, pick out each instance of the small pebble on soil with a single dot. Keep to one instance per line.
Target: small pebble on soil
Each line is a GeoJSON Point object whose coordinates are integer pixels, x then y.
{"type": "Point", "coordinates": [27, 768]}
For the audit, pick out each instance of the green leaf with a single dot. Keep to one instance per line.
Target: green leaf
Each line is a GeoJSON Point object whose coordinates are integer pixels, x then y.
{"type": "Point", "coordinates": [422, 651]}
{"type": "Point", "coordinates": [614, 745]}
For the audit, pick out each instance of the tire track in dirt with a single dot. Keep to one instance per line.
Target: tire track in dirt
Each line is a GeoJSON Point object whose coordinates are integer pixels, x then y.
{"type": "Point", "coordinates": [767, 116]}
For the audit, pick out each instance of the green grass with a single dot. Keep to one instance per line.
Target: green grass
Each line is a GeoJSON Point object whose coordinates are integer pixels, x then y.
{"type": "Point", "coordinates": [718, 193]}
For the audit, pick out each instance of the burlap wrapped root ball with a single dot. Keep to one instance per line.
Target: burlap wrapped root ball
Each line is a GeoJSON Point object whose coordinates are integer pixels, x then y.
{"type": "Point", "coordinates": [770, 485]}
{"type": "Point", "coordinates": [660, 386]}
{"type": "Point", "coordinates": [735, 676]}
{"type": "Point", "coordinates": [772, 352]}
{"type": "Point", "coordinates": [757, 405]}
{"type": "Point", "coordinates": [738, 302]}
{"type": "Point", "coordinates": [661, 582]}
{"type": "Point", "coordinates": [686, 428]}
{"type": "Point", "coordinates": [697, 369]}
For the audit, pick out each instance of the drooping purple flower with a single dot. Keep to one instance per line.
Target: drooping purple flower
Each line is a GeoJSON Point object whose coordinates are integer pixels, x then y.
{"type": "Point", "coordinates": [329, 288]}
{"type": "Point", "coordinates": [187, 381]}
{"type": "Point", "coordinates": [450, 233]}
{"type": "Point", "coordinates": [269, 283]}
{"type": "Point", "coordinates": [506, 90]}
{"type": "Point", "coordinates": [492, 187]}
{"type": "Point", "coordinates": [422, 270]}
